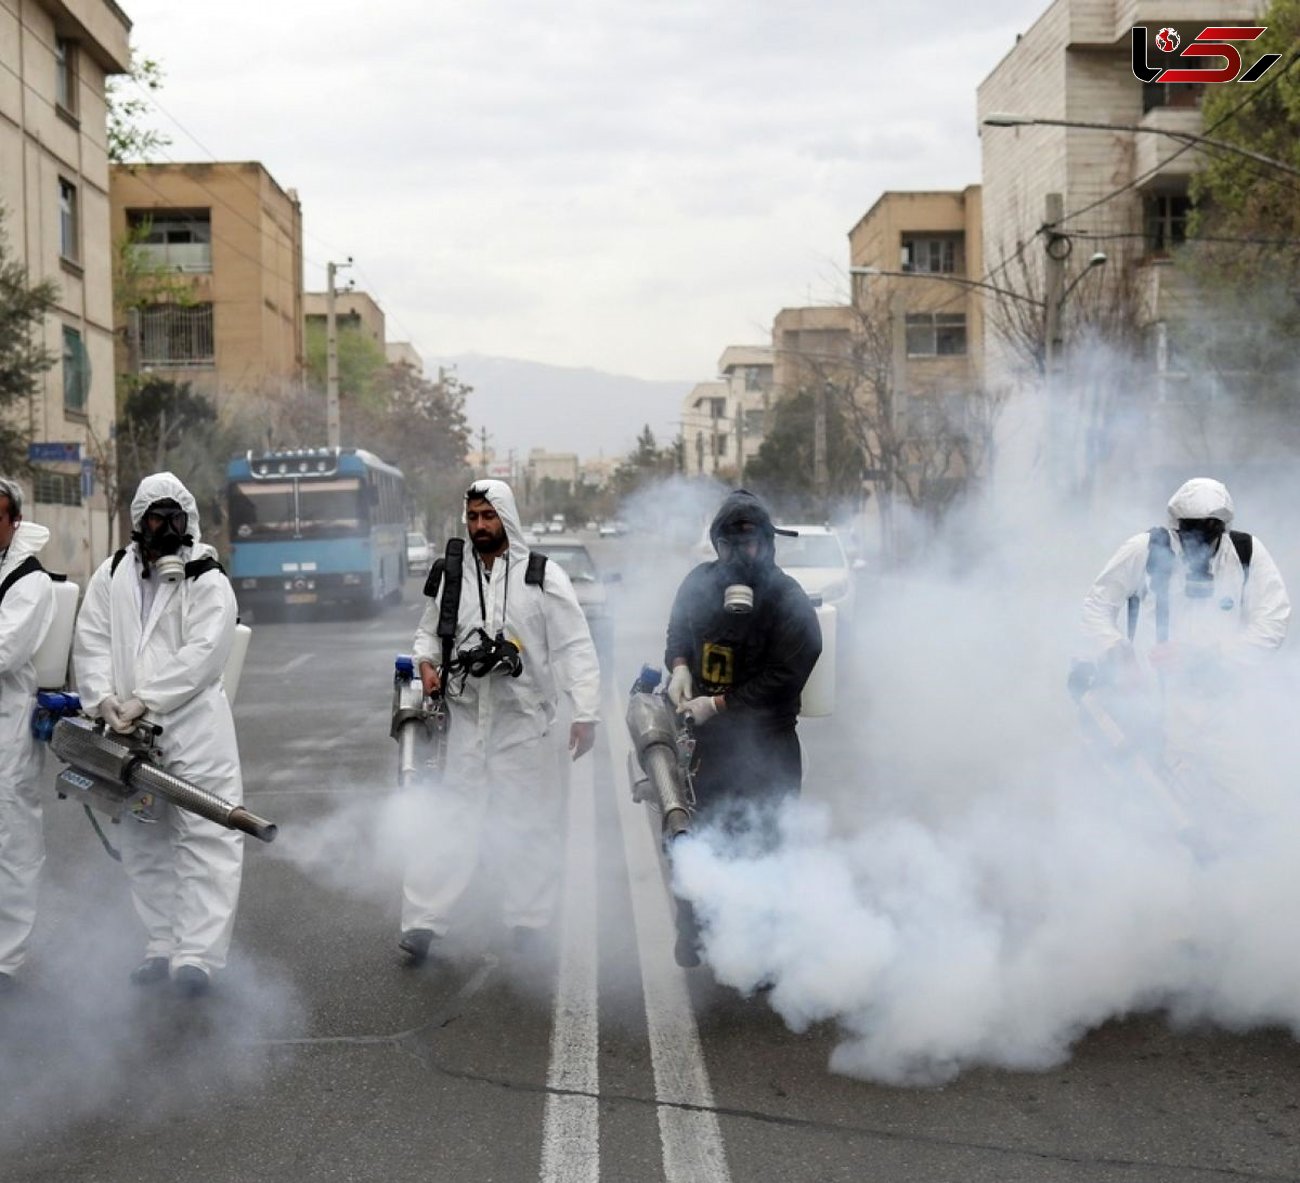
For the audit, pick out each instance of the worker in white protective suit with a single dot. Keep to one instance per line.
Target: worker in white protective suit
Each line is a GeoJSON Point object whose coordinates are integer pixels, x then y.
{"type": "Point", "coordinates": [152, 639]}
{"type": "Point", "coordinates": [501, 794]}
{"type": "Point", "coordinates": [1199, 604]}
{"type": "Point", "coordinates": [26, 613]}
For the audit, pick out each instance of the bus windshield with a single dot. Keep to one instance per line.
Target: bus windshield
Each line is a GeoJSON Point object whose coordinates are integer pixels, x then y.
{"type": "Point", "coordinates": [329, 509]}
{"type": "Point", "coordinates": [325, 509]}
{"type": "Point", "coordinates": [261, 509]}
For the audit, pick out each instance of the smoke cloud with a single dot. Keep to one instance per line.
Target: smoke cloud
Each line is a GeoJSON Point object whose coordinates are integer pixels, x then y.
{"type": "Point", "coordinates": [966, 881]}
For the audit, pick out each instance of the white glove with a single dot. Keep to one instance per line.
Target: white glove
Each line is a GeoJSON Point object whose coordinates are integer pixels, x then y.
{"type": "Point", "coordinates": [121, 716]}
{"type": "Point", "coordinates": [699, 710]}
{"type": "Point", "coordinates": [129, 711]}
{"type": "Point", "coordinates": [110, 710]}
{"type": "Point", "coordinates": [680, 686]}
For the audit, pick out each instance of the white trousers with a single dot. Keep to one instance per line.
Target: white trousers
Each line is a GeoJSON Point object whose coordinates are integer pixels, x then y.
{"type": "Point", "coordinates": [22, 854]}
{"type": "Point", "coordinates": [502, 809]}
{"type": "Point", "coordinates": [185, 874]}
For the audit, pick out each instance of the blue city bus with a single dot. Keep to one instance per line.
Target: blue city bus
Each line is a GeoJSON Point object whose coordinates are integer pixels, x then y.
{"type": "Point", "coordinates": [316, 526]}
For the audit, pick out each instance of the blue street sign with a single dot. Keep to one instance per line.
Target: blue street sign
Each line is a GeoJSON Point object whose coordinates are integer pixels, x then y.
{"type": "Point", "coordinates": [54, 453]}
{"type": "Point", "coordinates": [87, 477]}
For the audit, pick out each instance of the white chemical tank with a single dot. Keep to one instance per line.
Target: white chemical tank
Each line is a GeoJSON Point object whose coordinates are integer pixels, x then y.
{"type": "Point", "coordinates": [818, 699]}
{"type": "Point", "coordinates": [52, 656]}
{"type": "Point", "coordinates": [235, 662]}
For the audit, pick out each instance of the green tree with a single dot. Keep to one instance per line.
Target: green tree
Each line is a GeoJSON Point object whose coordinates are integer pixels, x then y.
{"type": "Point", "coordinates": [646, 462]}
{"type": "Point", "coordinates": [1237, 196]}
{"type": "Point", "coordinates": [129, 140]}
{"type": "Point", "coordinates": [782, 472]}
{"type": "Point", "coordinates": [23, 356]}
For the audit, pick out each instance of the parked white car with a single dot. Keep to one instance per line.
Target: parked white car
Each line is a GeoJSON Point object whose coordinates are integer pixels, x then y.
{"type": "Point", "coordinates": [816, 559]}
{"type": "Point", "coordinates": [419, 554]}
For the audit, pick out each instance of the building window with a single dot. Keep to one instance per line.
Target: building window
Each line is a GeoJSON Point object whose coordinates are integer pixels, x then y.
{"type": "Point", "coordinates": [1175, 94]}
{"type": "Point", "coordinates": [719, 444]}
{"type": "Point", "coordinates": [76, 372]}
{"type": "Point", "coordinates": [56, 488]}
{"type": "Point", "coordinates": [1166, 221]}
{"type": "Point", "coordinates": [177, 335]}
{"type": "Point", "coordinates": [934, 254]}
{"type": "Point", "coordinates": [65, 75]}
{"type": "Point", "coordinates": [753, 377]}
{"type": "Point", "coordinates": [177, 240]}
{"type": "Point", "coordinates": [68, 229]}
{"type": "Point", "coordinates": [936, 334]}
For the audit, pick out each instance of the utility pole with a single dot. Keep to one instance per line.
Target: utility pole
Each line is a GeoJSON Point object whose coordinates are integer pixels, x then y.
{"type": "Point", "coordinates": [1058, 249]}
{"type": "Point", "coordinates": [482, 448]}
{"type": "Point", "coordinates": [820, 395]}
{"type": "Point", "coordinates": [332, 356]}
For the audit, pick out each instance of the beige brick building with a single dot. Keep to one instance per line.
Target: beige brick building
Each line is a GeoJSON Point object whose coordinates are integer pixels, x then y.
{"type": "Point", "coordinates": [54, 182]}
{"type": "Point", "coordinates": [352, 309]}
{"type": "Point", "coordinates": [934, 242]}
{"type": "Point", "coordinates": [233, 236]}
{"type": "Point", "coordinates": [1122, 192]}
{"type": "Point", "coordinates": [724, 419]}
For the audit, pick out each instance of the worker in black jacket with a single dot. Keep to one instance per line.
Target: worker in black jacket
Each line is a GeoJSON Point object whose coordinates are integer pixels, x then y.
{"type": "Point", "coordinates": [742, 640]}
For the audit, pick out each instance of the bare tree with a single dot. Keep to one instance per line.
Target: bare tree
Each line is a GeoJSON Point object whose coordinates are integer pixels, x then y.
{"type": "Point", "coordinates": [920, 448]}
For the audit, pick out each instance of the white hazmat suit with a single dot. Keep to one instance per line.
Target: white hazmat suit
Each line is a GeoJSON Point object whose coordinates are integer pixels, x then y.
{"type": "Point", "coordinates": [502, 791]}
{"type": "Point", "coordinates": [166, 645]}
{"type": "Point", "coordinates": [1220, 628]}
{"type": "Point", "coordinates": [25, 617]}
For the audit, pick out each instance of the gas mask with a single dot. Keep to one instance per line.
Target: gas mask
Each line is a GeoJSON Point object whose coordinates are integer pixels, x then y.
{"type": "Point", "coordinates": [741, 569]}
{"type": "Point", "coordinates": [160, 537]}
{"type": "Point", "coordinates": [1200, 539]}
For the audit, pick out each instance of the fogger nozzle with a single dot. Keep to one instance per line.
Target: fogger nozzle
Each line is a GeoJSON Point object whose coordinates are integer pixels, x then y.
{"type": "Point", "coordinates": [116, 772]}
{"type": "Point", "coordinates": [654, 737]}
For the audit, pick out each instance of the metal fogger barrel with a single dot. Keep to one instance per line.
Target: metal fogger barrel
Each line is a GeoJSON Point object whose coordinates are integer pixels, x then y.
{"type": "Point", "coordinates": [116, 774]}
{"type": "Point", "coordinates": [654, 738]}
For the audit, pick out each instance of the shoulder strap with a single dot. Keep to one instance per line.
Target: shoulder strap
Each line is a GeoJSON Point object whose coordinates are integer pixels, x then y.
{"type": "Point", "coordinates": [117, 561]}
{"type": "Point", "coordinates": [196, 567]}
{"type": "Point", "coordinates": [434, 578]}
{"type": "Point", "coordinates": [453, 566]}
{"type": "Point", "coordinates": [535, 573]}
{"type": "Point", "coordinates": [1160, 566]}
{"type": "Point", "coordinates": [26, 567]}
{"type": "Point", "coordinates": [1245, 547]}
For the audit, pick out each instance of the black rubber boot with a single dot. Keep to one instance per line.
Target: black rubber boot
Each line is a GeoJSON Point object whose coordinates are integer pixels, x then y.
{"type": "Point", "coordinates": [191, 982]}
{"type": "Point", "coordinates": [149, 972]}
{"type": "Point", "coordinates": [415, 944]}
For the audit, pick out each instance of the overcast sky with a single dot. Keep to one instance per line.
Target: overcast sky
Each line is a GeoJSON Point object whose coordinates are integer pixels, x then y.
{"type": "Point", "coordinates": [629, 185]}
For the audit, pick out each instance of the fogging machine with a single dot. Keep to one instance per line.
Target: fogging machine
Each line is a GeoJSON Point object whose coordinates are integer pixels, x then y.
{"type": "Point", "coordinates": [419, 725]}
{"type": "Point", "coordinates": [119, 773]}
{"type": "Point", "coordinates": [660, 764]}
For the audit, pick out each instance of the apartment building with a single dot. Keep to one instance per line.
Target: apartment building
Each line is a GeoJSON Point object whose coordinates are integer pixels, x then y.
{"type": "Point", "coordinates": [55, 57]}
{"type": "Point", "coordinates": [925, 253]}
{"type": "Point", "coordinates": [707, 430]}
{"type": "Point", "coordinates": [355, 310]}
{"type": "Point", "coordinates": [724, 419]}
{"type": "Point", "coordinates": [1120, 192]}
{"type": "Point", "coordinates": [231, 236]}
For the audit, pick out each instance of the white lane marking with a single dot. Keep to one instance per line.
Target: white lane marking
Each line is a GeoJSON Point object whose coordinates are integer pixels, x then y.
{"type": "Point", "coordinates": [571, 1127]}
{"type": "Point", "coordinates": [292, 664]}
{"type": "Point", "coordinates": [691, 1138]}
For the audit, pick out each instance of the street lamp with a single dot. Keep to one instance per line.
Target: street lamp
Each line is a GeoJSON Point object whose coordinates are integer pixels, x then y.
{"type": "Point", "coordinates": [1001, 119]}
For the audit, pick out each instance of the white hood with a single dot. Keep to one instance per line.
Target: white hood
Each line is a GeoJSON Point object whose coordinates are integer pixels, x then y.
{"type": "Point", "coordinates": [1201, 497]}
{"type": "Point", "coordinates": [29, 539]}
{"type": "Point", "coordinates": [160, 487]}
{"type": "Point", "coordinates": [501, 497]}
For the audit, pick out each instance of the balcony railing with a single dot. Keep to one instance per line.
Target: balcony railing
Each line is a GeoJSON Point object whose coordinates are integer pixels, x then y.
{"type": "Point", "coordinates": [189, 257]}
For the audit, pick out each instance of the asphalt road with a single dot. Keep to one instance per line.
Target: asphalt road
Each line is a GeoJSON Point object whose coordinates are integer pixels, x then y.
{"type": "Point", "coordinates": [318, 1056]}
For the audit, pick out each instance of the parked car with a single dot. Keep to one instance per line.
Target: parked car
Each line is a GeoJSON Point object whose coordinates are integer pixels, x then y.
{"type": "Point", "coordinates": [816, 559]}
{"type": "Point", "coordinates": [608, 530]}
{"type": "Point", "coordinates": [419, 553]}
{"type": "Point", "coordinates": [589, 584]}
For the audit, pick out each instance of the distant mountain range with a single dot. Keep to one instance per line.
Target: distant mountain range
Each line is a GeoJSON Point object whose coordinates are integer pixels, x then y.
{"type": "Point", "coordinates": [525, 404]}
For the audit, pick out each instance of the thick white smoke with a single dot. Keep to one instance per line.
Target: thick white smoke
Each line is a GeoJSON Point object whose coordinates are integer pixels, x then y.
{"type": "Point", "coordinates": [965, 881]}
